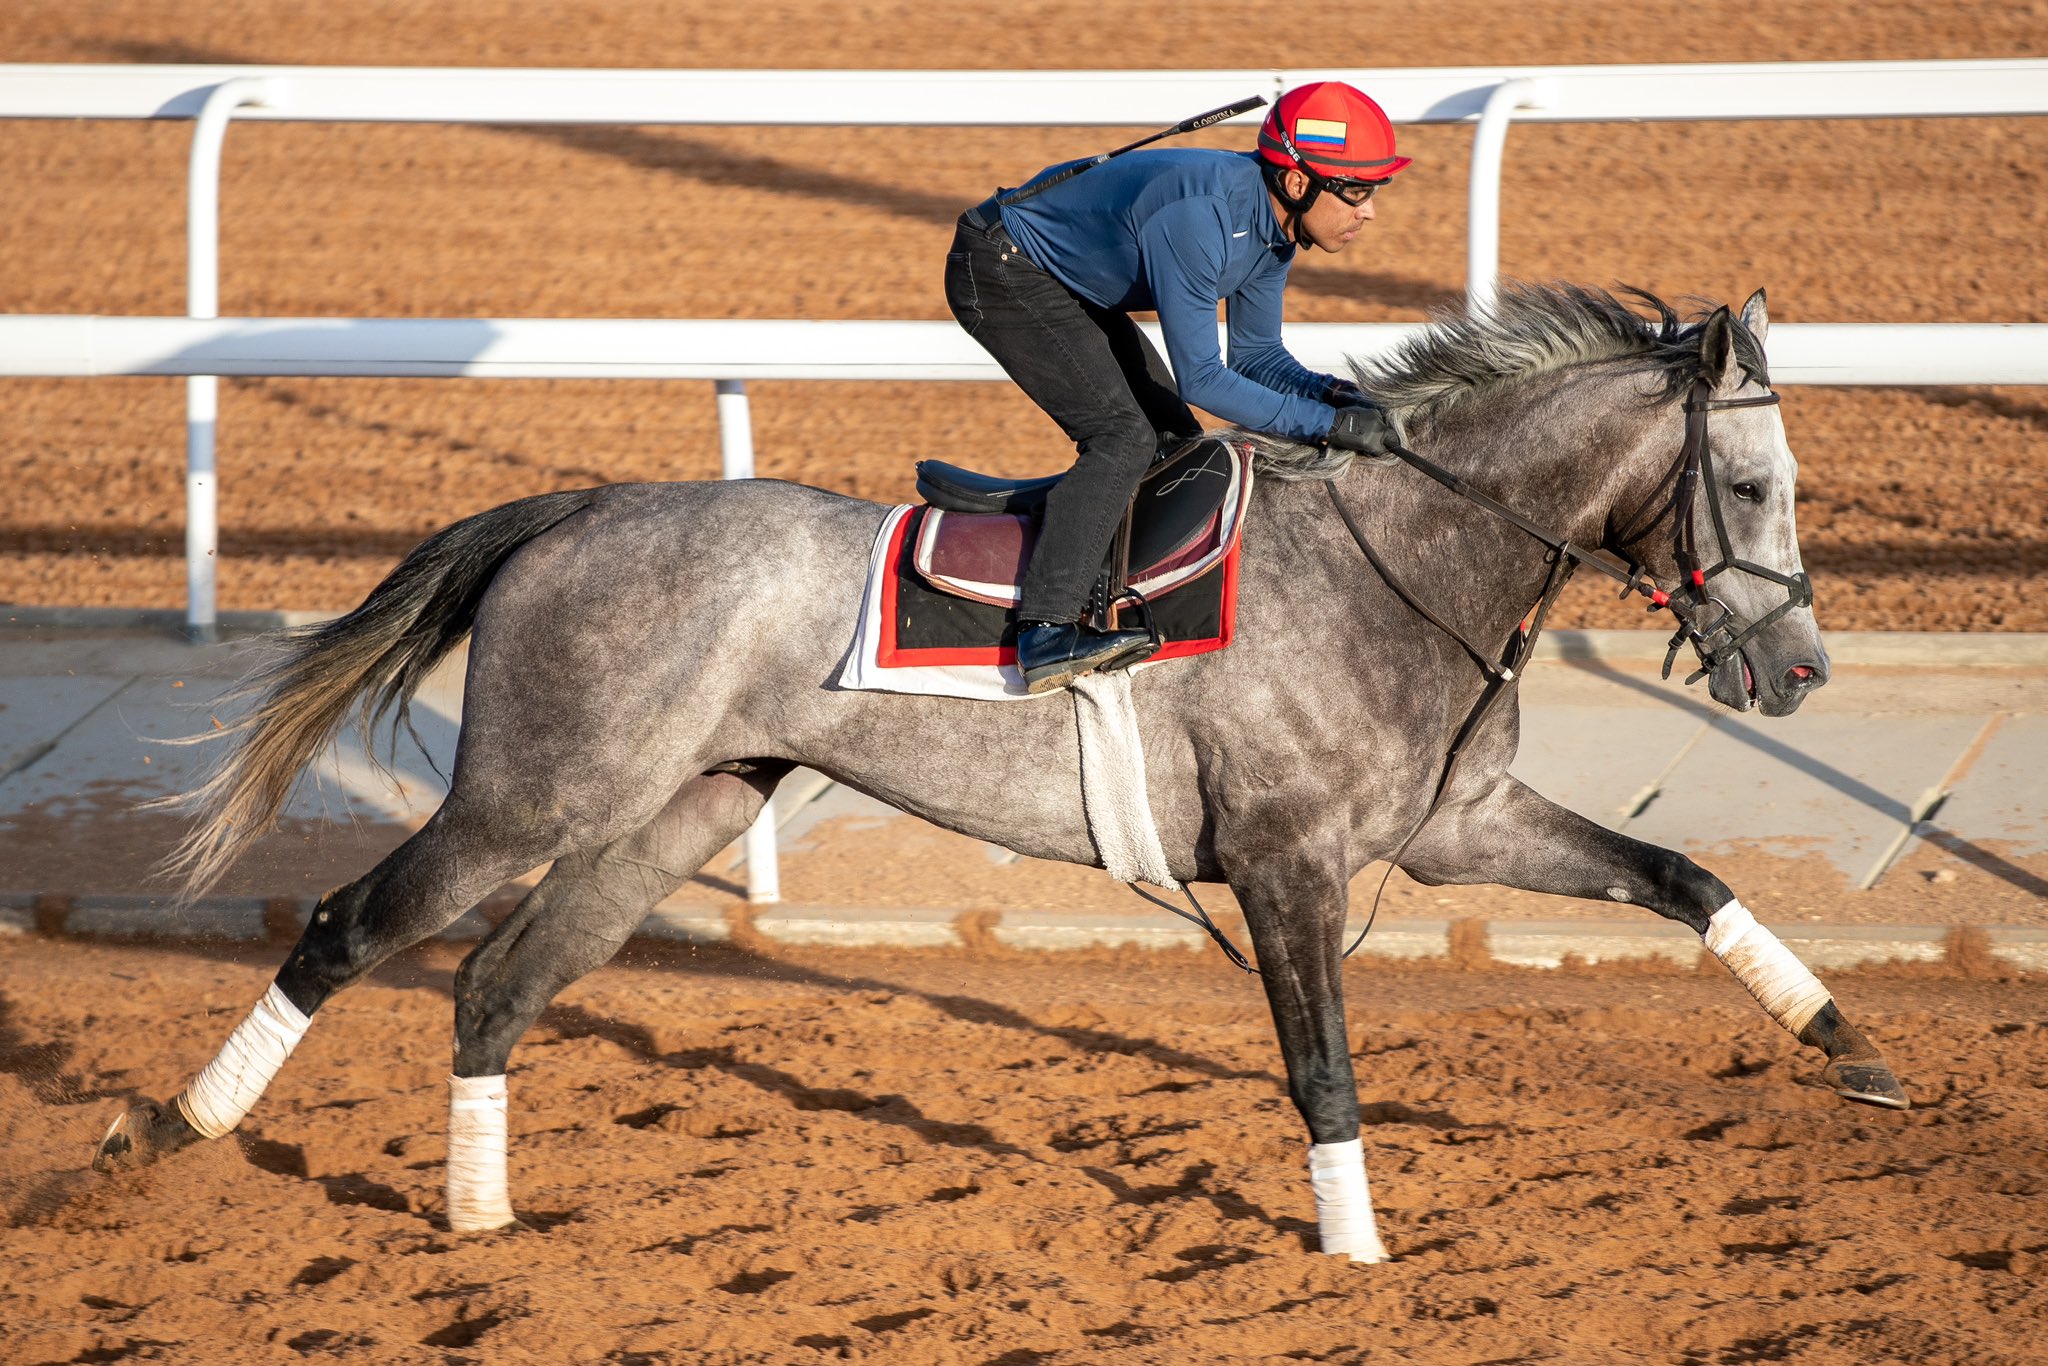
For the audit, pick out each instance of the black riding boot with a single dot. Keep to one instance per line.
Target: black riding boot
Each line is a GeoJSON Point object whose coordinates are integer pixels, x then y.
{"type": "Point", "coordinates": [1052, 654]}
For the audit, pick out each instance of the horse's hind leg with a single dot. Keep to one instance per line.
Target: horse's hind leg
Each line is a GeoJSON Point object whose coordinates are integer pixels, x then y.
{"type": "Point", "coordinates": [1512, 836]}
{"type": "Point", "coordinates": [461, 855]}
{"type": "Point", "coordinates": [572, 923]}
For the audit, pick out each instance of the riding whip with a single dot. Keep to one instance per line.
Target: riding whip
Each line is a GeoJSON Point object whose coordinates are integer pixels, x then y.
{"type": "Point", "coordinates": [1192, 125]}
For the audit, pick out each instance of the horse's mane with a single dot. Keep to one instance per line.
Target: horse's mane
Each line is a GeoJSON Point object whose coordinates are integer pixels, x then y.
{"type": "Point", "coordinates": [1531, 329]}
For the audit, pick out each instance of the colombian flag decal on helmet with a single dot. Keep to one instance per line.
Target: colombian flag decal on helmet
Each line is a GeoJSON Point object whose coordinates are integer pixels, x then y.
{"type": "Point", "coordinates": [1337, 132]}
{"type": "Point", "coordinates": [1319, 133]}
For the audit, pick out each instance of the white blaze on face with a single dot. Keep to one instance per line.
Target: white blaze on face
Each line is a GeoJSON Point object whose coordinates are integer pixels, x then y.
{"type": "Point", "coordinates": [1783, 548]}
{"type": "Point", "coordinates": [1749, 446]}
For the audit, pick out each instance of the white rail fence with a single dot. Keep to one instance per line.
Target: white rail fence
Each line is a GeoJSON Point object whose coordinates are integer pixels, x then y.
{"type": "Point", "coordinates": [1487, 97]}
{"type": "Point", "coordinates": [741, 350]}
{"type": "Point", "coordinates": [202, 346]}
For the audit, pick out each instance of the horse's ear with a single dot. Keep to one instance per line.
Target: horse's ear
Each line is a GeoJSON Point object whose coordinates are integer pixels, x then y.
{"type": "Point", "coordinates": [1718, 366]}
{"type": "Point", "coordinates": [1755, 318]}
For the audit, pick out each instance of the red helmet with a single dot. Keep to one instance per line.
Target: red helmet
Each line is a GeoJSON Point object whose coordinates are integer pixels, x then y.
{"type": "Point", "coordinates": [1335, 132]}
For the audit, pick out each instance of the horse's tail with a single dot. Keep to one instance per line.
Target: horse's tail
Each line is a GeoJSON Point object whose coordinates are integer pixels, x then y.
{"type": "Point", "coordinates": [369, 661]}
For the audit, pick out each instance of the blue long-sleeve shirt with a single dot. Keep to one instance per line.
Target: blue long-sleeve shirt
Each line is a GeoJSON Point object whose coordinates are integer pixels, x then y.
{"type": "Point", "coordinates": [1178, 231]}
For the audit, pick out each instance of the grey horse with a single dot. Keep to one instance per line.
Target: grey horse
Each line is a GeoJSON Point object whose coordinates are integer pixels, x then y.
{"type": "Point", "coordinates": [648, 661]}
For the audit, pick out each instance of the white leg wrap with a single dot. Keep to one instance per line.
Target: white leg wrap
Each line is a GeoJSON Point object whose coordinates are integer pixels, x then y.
{"type": "Point", "coordinates": [477, 1198]}
{"type": "Point", "coordinates": [225, 1089]}
{"type": "Point", "coordinates": [1779, 981]}
{"type": "Point", "coordinates": [1343, 1204]}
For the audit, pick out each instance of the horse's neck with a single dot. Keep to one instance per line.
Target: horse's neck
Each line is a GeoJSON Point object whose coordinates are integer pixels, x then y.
{"type": "Point", "coordinates": [1552, 450]}
{"type": "Point", "coordinates": [1537, 451]}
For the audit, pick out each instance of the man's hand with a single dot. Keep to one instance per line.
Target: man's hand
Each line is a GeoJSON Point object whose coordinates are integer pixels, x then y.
{"type": "Point", "coordinates": [1365, 429]}
{"type": "Point", "coordinates": [1342, 393]}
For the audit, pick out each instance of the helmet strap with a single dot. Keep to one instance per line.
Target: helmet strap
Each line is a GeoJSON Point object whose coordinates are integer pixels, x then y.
{"type": "Point", "coordinates": [1276, 182]}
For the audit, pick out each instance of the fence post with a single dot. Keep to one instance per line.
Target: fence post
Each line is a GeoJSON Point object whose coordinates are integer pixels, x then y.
{"type": "Point", "coordinates": [1489, 140]}
{"type": "Point", "coordinates": [202, 392]}
{"type": "Point", "coordinates": [736, 461]}
{"type": "Point", "coordinates": [735, 431]}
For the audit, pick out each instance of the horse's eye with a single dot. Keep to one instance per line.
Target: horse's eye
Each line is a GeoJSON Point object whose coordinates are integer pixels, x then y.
{"type": "Point", "coordinates": [1747, 492]}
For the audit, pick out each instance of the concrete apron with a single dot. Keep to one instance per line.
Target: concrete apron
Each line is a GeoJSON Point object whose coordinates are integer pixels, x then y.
{"type": "Point", "coordinates": [1863, 784]}
{"type": "Point", "coordinates": [1544, 944]}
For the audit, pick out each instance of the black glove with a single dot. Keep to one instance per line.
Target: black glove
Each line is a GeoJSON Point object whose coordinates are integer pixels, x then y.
{"type": "Point", "coordinates": [1365, 429]}
{"type": "Point", "coordinates": [1342, 393]}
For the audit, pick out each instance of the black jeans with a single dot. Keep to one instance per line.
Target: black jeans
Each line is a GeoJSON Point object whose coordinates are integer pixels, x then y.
{"type": "Point", "coordinates": [1094, 373]}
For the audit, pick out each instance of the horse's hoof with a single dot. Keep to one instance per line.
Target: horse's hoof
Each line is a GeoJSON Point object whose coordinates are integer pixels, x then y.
{"type": "Point", "coordinates": [1368, 1253]}
{"type": "Point", "coordinates": [1870, 1083]}
{"type": "Point", "coordinates": [146, 1133]}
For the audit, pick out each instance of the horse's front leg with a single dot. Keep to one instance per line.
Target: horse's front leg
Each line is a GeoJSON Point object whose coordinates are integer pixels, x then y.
{"type": "Point", "coordinates": [1294, 906]}
{"type": "Point", "coordinates": [1510, 835]}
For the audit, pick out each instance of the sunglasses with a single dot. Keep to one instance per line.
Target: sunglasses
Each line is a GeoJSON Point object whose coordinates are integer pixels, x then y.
{"type": "Point", "coordinates": [1352, 192]}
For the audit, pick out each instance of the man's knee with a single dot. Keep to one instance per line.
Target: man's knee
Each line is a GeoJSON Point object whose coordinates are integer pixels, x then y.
{"type": "Point", "coordinates": [1124, 445]}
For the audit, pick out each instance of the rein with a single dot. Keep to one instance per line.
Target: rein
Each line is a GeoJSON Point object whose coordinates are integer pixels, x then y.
{"type": "Point", "coordinates": [1694, 469]}
{"type": "Point", "coordinates": [1704, 620]}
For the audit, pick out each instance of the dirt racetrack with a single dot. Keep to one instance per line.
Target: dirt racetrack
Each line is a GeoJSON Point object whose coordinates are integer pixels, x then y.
{"type": "Point", "coordinates": [947, 1158]}
{"type": "Point", "coordinates": [1922, 509]}
{"type": "Point", "coordinates": [751, 1156]}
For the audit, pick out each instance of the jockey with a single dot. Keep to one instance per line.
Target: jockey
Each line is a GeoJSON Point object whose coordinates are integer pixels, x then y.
{"type": "Point", "coordinates": [1047, 279]}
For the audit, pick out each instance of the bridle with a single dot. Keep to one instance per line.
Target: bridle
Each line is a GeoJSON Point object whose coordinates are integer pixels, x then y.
{"type": "Point", "coordinates": [1703, 619]}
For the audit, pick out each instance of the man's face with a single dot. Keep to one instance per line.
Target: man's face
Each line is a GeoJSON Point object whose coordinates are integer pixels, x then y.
{"type": "Point", "coordinates": [1330, 223]}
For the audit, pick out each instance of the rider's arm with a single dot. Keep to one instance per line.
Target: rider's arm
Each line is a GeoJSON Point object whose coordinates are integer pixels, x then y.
{"type": "Point", "coordinates": [1183, 247]}
{"type": "Point", "coordinates": [1256, 351]}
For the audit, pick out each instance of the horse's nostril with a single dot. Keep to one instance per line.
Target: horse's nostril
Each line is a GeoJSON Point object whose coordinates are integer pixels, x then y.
{"type": "Point", "coordinates": [1800, 677]}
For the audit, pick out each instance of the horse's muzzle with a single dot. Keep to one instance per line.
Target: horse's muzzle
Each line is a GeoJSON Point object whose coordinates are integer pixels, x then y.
{"type": "Point", "coordinates": [1740, 681]}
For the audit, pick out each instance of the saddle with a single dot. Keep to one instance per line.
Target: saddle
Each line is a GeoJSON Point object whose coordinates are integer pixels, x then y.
{"type": "Point", "coordinates": [975, 537]}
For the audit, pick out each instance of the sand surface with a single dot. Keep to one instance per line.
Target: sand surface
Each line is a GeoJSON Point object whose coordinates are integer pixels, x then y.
{"type": "Point", "coordinates": [737, 1156]}
{"type": "Point", "coordinates": [751, 1156]}
{"type": "Point", "coordinates": [1922, 509]}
